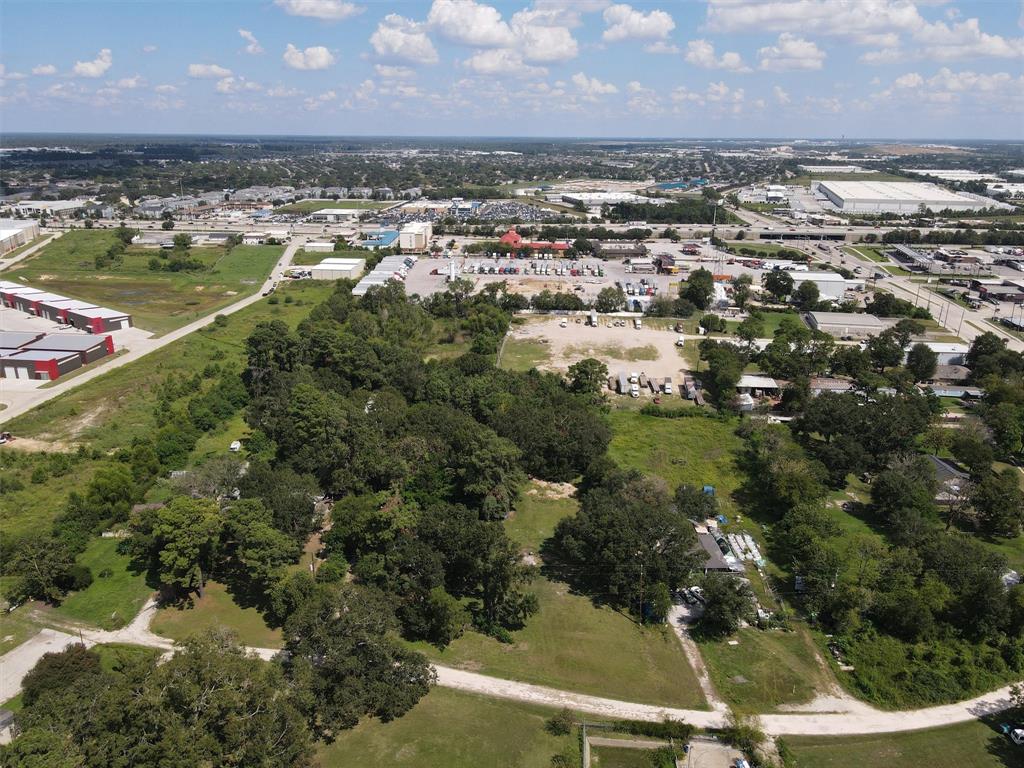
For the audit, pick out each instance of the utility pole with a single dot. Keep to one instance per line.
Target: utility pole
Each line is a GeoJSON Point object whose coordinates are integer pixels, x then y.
{"type": "Point", "coordinates": [640, 554]}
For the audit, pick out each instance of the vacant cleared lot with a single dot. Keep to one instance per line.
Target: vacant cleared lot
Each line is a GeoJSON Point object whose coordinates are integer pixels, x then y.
{"type": "Point", "coordinates": [572, 644]}
{"type": "Point", "coordinates": [966, 745]}
{"type": "Point", "coordinates": [449, 729]}
{"type": "Point", "coordinates": [117, 592]}
{"type": "Point", "coordinates": [216, 609]}
{"type": "Point", "coordinates": [695, 451]}
{"type": "Point", "coordinates": [544, 344]}
{"type": "Point", "coordinates": [159, 301]}
{"type": "Point", "coordinates": [766, 669]}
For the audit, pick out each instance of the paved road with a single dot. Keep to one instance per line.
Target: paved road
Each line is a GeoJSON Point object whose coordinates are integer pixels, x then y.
{"type": "Point", "coordinates": [19, 402]}
{"type": "Point", "coordinates": [864, 720]}
{"type": "Point", "coordinates": [960, 321]}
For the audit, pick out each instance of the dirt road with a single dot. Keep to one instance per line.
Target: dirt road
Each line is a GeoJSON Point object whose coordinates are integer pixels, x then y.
{"type": "Point", "coordinates": [22, 401]}
{"type": "Point", "coordinates": [16, 663]}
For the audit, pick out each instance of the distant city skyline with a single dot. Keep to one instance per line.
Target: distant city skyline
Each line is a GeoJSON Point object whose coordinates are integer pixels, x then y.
{"type": "Point", "coordinates": [780, 68]}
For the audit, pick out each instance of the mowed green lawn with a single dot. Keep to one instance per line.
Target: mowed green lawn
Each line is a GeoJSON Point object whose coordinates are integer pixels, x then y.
{"type": "Point", "coordinates": [107, 412]}
{"type": "Point", "coordinates": [304, 258]}
{"type": "Point", "coordinates": [965, 745]}
{"type": "Point", "coordinates": [216, 609]}
{"type": "Point", "coordinates": [620, 757]}
{"type": "Point", "coordinates": [158, 301]}
{"type": "Point", "coordinates": [695, 451]}
{"type": "Point", "coordinates": [112, 600]}
{"type": "Point", "coordinates": [573, 644]}
{"type": "Point", "coordinates": [765, 669]}
{"type": "Point", "coordinates": [449, 729]}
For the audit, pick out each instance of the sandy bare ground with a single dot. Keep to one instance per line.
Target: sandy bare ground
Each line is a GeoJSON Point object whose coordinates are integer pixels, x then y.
{"type": "Point", "coordinates": [611, 345]}
{"type": "Point", "coordinates": [676, 618]}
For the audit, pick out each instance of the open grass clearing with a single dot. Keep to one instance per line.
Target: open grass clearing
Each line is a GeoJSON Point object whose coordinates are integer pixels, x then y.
{"type": "Point", "coordinates": [695, 451]}
{"type": "Point", "coordinates": [633, 354]}
{"type": "Point", "coordinates": [523, 354]}
{"type": "Point", "coordinates": [765, 669]}
{"type": "Point", "coordinates": [308, 206]}
{"type": "Point", "coordinates": [112, 600]}
{"type": "Point", "coordinates": [110, 410]}
{"type": "Point", "coordinates": [965, 745]}
{"type": "Point", "coordinates": [158, 301]}
{"type": "Point", "coordinates": [540, 507]}
{"type": "Point", "coordinates": [216, 609]}
{"type": "Point", "coordinates": [450, 729]}
{"type": "Point", "coordinates": [619, 757]}
{"type": "Point", "coordinates": [573, 644]}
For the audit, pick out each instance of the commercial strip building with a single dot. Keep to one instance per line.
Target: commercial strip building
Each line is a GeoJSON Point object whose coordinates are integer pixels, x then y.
{"type": "Point", "coordinates": [15, 233]}
{"type": "Point", "coordinates": [46, 357]}
{"type": "Point", "coordinates": [49, 207]}
{"type": "Point", "coordinates": [335, 215]}
{"type": "Point", "coordinates": [895, 197]}
{"type": "Point", "coordinates": [60, 309]}
{"type": "Point", "coordinates": [389, 268]}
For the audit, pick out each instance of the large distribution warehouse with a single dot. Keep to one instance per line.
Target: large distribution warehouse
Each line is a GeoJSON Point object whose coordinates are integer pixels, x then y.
{"type": "Point", "coordinates": [894, 197]}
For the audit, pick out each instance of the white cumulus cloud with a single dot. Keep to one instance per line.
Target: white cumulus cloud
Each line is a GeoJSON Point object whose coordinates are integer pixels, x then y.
{"type": "Point", "coordinates": [791, 53]}
{"type": "Point", "coordinates": [400, 39]}
{"type": "Point", "coordinates": [701, 53]}
{"type": "Point", "coordinates": [130, 83]}
{"type": "Point", "coordinates": [207, 70]}
{"type": "Point", "coordinates": [237, 85]}
{"type": "Point", "coordinates": [468, 22]}
{"type": "Point", "coordinates": [501, 61]}
{"type": "Point", "coordinates": [591, 87]}
{"type": "Point", "coordinates": [624, 22]}
{"type": "Point", "coordinates": [95, 68]}
{"type": "Point", "coordinates": [253, 46]}
{"type": "Point", "coordinates": [44, 69]}
{"type": "Point", "coordinates": [326, 10]}
{"type": "Point", "coordinates": [314, 57]}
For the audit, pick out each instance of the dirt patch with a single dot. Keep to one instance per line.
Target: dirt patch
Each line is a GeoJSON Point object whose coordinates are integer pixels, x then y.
{"type": "Point", "coordinates": [199, 288]}
{"type": "Point", "coordinates": [548, 490]}
{"type": "Point", "coordinates": [35, 445]}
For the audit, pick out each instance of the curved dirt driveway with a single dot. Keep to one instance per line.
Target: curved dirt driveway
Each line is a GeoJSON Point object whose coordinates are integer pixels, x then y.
{"type": "Point", "coordinates": [865, 720]}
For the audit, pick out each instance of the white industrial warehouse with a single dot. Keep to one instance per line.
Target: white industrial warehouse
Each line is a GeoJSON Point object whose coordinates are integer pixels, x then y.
{"type": "Point", "coordinates": [338, 268]}
{"type": "Point", "coordinates": [895, 197]}
{"type": "Point", "coordinates": [15, 233]}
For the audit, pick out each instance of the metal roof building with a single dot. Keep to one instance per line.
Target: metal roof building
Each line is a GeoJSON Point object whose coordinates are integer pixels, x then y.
{"type": "Point", "coordinates": [894, 197]}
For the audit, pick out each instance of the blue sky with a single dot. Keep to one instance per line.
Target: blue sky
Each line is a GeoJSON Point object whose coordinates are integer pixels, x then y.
{"type": "Point", "coordinates": [785, 68]}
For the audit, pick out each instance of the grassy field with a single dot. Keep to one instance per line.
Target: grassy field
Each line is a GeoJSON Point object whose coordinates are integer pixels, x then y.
{"type": "Point", "coordinates": [308, 206]}
{"type": "Point", "coordinates": [449, 729]}
{"type": "Point", "coordinates": [965, 745]}
{"type": "Point", "coordinates": [616, 351]}
{"type": "Point", "coordinates": [572, 644]}
{"type": "Point", "coordinates": [216, 609]}
{"type": "Point", "coordinates": [36, 504]}
{"type": "Point", "coordinates": [158, 301]}
{"type": "Point", "coordinates": [872, 253]}
{"type": "Point", "coordinates": [772, 322]}
{"type": "Point", "coordinates": [110, 601]}
{"type": "Point", "coordinates": [110, 410]}
{"type": "Point", "coordinates": [523, 354]}
{"type": "Point", "coordinates": [620, 757]}
{"type": "Point", "coordinates": [694, 451]}
{"type": "Point", "coordinates": [765, 669]}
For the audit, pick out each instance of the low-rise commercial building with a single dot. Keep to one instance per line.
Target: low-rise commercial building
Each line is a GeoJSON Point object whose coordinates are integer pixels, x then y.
{"type": "Point", "coordinates": [907, 197]}
{"type": "Point", "coordinates": [335, 215]}
{"type": "Point", "coordinates": [846, 324]}
{"type": "Point", "coordinates": [338, 269]}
